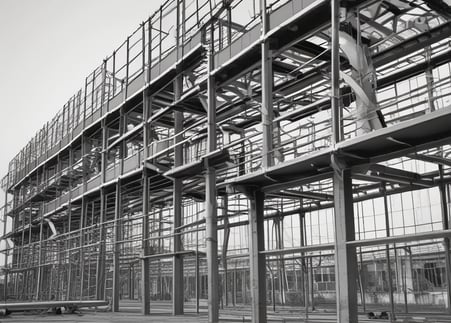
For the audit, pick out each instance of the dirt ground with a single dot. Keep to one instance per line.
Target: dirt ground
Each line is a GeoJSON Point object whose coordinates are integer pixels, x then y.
{"type": "Point", "coordinates": [160, 313]}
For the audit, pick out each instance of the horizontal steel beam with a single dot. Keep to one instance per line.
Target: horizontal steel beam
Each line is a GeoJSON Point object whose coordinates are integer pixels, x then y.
{"type": "Point", "coordinates": [400, 239]}
{"type": "Point", "coordinates": [26, 306]}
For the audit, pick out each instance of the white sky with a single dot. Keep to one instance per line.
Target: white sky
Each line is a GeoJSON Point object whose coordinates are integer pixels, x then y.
{"type": "Point", "coordinates": [47, 48]}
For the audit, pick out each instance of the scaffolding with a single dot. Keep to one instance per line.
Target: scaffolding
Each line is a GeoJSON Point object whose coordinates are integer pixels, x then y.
{"type": "Point", "coordinates": [296, 155]}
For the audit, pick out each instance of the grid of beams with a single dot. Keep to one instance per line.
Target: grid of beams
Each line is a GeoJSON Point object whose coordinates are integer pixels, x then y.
{"type": "Point", "coordinates": [245, 160]}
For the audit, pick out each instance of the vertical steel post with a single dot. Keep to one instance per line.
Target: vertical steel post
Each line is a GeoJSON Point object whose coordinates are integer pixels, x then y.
{"type": "Point", "coordinates": [122, 147]}
{"type": "Point", "coordinates": [149, 52]}
{"type": "Point", "coordinates": [210, 195]}
{"type": "Point", "coordinates": [100, 270]}
{"type": "Point", "coordinates": [197, 274]}
{"type": "Point", "coordinates": [116, 248]}
{"type": "Point", "coordinates": [17, 249]}
{"type": "Point", "coordinates": [147, 126]}
{"type": "Point", "coordinates": [257, 259]}
{"type": "Point", "coordinates": [103, 90]}
{"type": "Point", "coordinates": [84, 104]}
{"type": "Point", "coordinates": [100, 286]}
{"type": "Point", "coordinates": [81, 242]}
{"type": "Point", "coordinates": [69, 270]}
{"type": "Point", "coordinates": [127, 68]}
{"type": "Point", "coordinates": [40, 268]}
{"type": "Point", "coordinates": [113, 74]}
{"type": "Point", "coordinates": [177, 285]}
{"type": "Point", "coordinates": [143, 51]}
{"type": "Point", "coordinates": [22, 251]}
{"type": "Point", "coordinates": [304, 263]}
{"type": "Point", "coordinates": [266, 86]}
{"type": "Point", "coordinates": [229, 25]}
{"type": "Point", "coordinates": [84, 152]}
{"type": "Point", "coordinates": [5, 217]}
{"type": "Point", "coordinates": [336, 111]}
{"type": "Point", "coordinates": [145, 270]}
{"type": "Point", "coordinates": [345, 256]}
{"type": "Point", "coordinates": [446, 241]}
{"type": "Point", "coordinates": [177, 278]}
{"type": "Point", "coordinates": [429, 79]}
{"type": "Point", "coordinates": [160, 33]}
{"type": "Point", "coordinates": [225, 207]}
{"type": "Point", "coordinates": [92, 91]}
{"type": "Point", "coordinates": [183, 22]}
{"type": "Point", "coordinates": [387, 255]}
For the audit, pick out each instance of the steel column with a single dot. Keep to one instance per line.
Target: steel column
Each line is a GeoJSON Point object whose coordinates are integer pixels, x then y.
{"type": "Point", "coordinates": [147, 127]}
{"type": "Point", "coordinates": [345, 255]}
{"type": "Point", "coordinates": [446, 241]}
{"type": "Point", "coordinates": [257, 258]}
{"type": "Point", "coordinates": [145, 269]}
{"type": "Point", "coordinates": [116, 248]}
{"type": "Point", "coordinates": [177, 274]}
{"type": "Point", "coordinates": [197, 275]}
{"type": "Point", "coordinates": [337, 131]}
{"type": "Point", "coordinates": [267, 87]}
{"type": "Point", "coordinates": [145, 272]}
{"type": "Point", "coordinates": [69, 229]}
{"type": "Point", "coordinates": [100, 286]}
{"type": "Point", "coordinates": [5, 217]}
{"type": "Point", "coordinates": [429, 79]}
{"type": "Point", "coordinates": [40, 268]}
{"type": "Point", "coordinates": [225, 246]}
{"type": "Point", "coordinates": [210, 199]}
{"type": "Point", "coordinates": [177, 285]}
{"type": "Point", "coordinates": [82, 257]}
{"type": "Point", "coordinates": [387, 255]}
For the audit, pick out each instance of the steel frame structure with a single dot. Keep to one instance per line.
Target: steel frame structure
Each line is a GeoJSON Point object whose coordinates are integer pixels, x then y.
{"type": "Point", "coordinates": [208, 143]}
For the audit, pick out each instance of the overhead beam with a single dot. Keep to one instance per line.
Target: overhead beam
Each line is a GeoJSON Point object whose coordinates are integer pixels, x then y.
{"type": "Point", "coordinates": [310, 195]}
{"type": "Point", "coordinates": [384, 30]}
{"type": "Point", "coordinates": [379, 178]}
{"type": "Point", "coordinates": [310, 248]}
{"type": "Point", "coordinates": [431, 159]}
{"type": "Point", "coordinates": [413, 44]}
{"type": "Point", "coordinates": [440, 234]}
{"type": "Point", "coordinates": [380, 173]}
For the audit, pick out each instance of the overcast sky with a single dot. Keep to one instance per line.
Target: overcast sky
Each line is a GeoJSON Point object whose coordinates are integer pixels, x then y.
{"type": "Point", "coordinates": [47, 48]}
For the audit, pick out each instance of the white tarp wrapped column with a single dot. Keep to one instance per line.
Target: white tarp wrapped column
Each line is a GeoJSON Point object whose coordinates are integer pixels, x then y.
{"type": "Point", "coordinates": [361, 81]}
